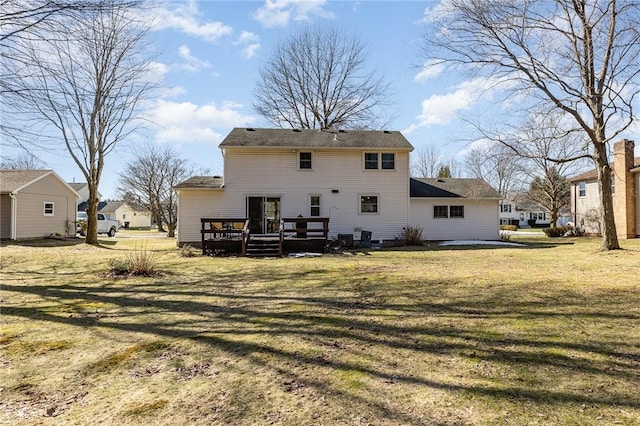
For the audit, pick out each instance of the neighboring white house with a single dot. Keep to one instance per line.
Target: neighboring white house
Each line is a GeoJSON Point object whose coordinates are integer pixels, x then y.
{"type": "Point", "coordinates": [125, 214]}
{"type": "Point", "coordinates": [454, 209]}
{"type": "Point", "coordinates": [35, 204]}
{"type": "Point", "coordinates": [358, 179]}
{"type": "Point", "coordinates": [523, 214]}
{"type": "Point", "coordinates": [585, 197]}
{"type": "Point", "coordinates": [83, 191]}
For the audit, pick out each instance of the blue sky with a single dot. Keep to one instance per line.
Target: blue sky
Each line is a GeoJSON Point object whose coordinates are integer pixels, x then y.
{"type": "Point", "coordinates": [211, 52]}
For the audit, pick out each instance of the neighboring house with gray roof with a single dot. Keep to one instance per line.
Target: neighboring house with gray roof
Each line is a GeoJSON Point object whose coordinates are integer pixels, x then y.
{"type": "Point", "coordinates": [83, 191]}
{"type": "Point", "coordinates": [454, 208]}
{"type": "Point", "coordinates": [36, 204]}
{"type": "Point", "coordinates": [359, 179]}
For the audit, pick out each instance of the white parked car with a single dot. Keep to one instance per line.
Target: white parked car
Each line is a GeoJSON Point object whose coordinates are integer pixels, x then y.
{"type": "Point", "coordinates": [105, 225]}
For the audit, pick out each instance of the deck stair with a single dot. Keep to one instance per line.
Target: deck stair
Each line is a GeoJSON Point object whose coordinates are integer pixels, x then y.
{"type": "Point", "coordinates": [261, 247]}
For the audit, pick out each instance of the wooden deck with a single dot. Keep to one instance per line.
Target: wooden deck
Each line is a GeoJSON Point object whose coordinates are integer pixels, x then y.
{"type": "Point", "coordinates": [232, 236]}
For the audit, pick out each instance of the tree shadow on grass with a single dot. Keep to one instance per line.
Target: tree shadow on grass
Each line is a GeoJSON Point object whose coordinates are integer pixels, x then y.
{"type": "Point", "coordinates": [340, 322]}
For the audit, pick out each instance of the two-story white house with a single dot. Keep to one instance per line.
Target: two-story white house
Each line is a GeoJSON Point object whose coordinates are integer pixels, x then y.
{"type": "Point", "coordinates": [357, 179]}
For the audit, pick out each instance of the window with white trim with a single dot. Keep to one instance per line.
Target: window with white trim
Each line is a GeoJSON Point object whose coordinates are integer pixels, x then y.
{"type": "Point", "coordinates": [388, 161]}
{"type": "Point", "coordinates": [371, 161]}
{"type": "Point", "coordinates": [379, 161]}
{"type": "Point", "coordinates": [48, 208]}
{"type": "Point", "coordinates": [582, 189]}
{"type": "Point", "coordinates": [440, 212]}
{"type": "Point", "coordinates": [304, 162]}
{"type": "Point", "coordinates": [448, 212]}
{"type": "Point", "coordinates": [369, 204]}
{"type": "Point", "coordinates": [314, 205]}
{"type": "Point", "coordinates": [456, 212]}
{"type": "Point", "coordinates": [505, 208]}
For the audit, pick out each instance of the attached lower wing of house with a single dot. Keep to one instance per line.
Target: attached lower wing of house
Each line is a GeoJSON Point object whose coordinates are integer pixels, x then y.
{"type": "Point", "coordinates": [358, 179]}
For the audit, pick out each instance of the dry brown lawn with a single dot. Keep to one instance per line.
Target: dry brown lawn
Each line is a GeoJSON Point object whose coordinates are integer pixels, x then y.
{"type": "Point", "coordinates": [545, 334]}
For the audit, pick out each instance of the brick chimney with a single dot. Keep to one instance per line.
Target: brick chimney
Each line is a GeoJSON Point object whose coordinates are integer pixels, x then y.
{"type": "Point", "coordinates": [624, 206]}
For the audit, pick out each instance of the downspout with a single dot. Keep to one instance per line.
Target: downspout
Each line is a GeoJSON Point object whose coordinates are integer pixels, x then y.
{"type": "Point", "coordinates": [14, 212]}
{"type": "Point", "coordinates": [575, 206]}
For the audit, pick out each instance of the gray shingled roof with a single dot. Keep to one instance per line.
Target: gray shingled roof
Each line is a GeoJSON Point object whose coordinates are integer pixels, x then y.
{"type": "Point", "coordinates": [109, 206]}
{"type": "Point", "coordinates": [11, 180]}
{"type": "Point", "coordinates": [201, 182]}
{"type": "Point", "coordinates": [451, 188]}
{"type": "Point", "coordinates": [593, 173]}
{"type": "Point", "coordinates": [316, 139]}
{"type": "Point", "coordinates": [76, 185]}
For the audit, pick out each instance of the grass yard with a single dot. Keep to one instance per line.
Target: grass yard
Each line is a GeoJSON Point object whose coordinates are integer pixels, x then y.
{"type": "Point", "coordinates": [548, 334]}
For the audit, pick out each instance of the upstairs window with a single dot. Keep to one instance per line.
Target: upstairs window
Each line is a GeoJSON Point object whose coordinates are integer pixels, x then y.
{"type": "Point", "coordinates": [388, 161]}
{"type": "Point", "coordinates": [371, 160]}
{"type": "Point", "coordinates": [379, 161]}
{"type": "Point", "coordinates": [305, 161]}
{"type": "Point", "coordinates": [505, 208]}
{"type": "Point", "coordinates": [48, 208]}
{"type": "Point", "coordinates": [582, 189]}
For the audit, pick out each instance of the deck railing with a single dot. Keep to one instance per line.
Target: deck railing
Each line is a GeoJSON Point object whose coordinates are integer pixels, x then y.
{"type": "Point", "coordinates": [309, 228]}
{"type": "Point", "coordinates": [225, 229]}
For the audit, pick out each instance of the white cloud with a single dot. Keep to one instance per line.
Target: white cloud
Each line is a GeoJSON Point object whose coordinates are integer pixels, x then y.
{"type": "Point", "coordinates": [481, 144]}
{"type": "Point", "coordinates": [249, 42]}
{"type": "Point", "coordinates": [186, 122]}
{"type": "Point", "coordinates": [192, 63]}
{"type": "Point", "coordinates": [442, 109]}
{"type": "Point", "coordinates": [186, 17]}
{"type": "Point", "coordinates": [437, 12]}
{"type": "Point", "coordinates": [430, 69]}
{"type": "Point", "coordinates": [277, 13]}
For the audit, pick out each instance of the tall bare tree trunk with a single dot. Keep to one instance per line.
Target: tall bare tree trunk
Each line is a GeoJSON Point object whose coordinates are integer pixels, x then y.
{"type": "Point", "coordinates": [92, 211]}
{"type": "Point", "coordinates": [607, 223]}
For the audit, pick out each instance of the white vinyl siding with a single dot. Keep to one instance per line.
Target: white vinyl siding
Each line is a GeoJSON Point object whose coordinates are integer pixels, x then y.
{"type": "Point", "coordinates": [338, 178]}
{"type": "Point", "coordinates": [480, 221]}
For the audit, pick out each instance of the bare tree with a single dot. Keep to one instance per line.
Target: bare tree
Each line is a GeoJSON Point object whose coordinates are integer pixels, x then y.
{"type": "Point", "coordinates": [83, 86]}
{"type": "Point", "coordinates": [27, 18]}
{"type": "Point", "coordinates": [427, 160]}
{"type": "Point", "coordinates": [577, 56]}
{"type": "Point", "coordinates": [23, 161]}
{"type": "Point", "coordinates": [150, 178]}
{"type": "Point", "coordinates": [317, 78]}
{"type": "Point", "coordinates": [550, 192]}
{"type": "Point", "coordinates": [550, 153]}
{"type": "Point", "coordinates": [498, 166]}
{"type": "Point", "coordinates": [23, 22]}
